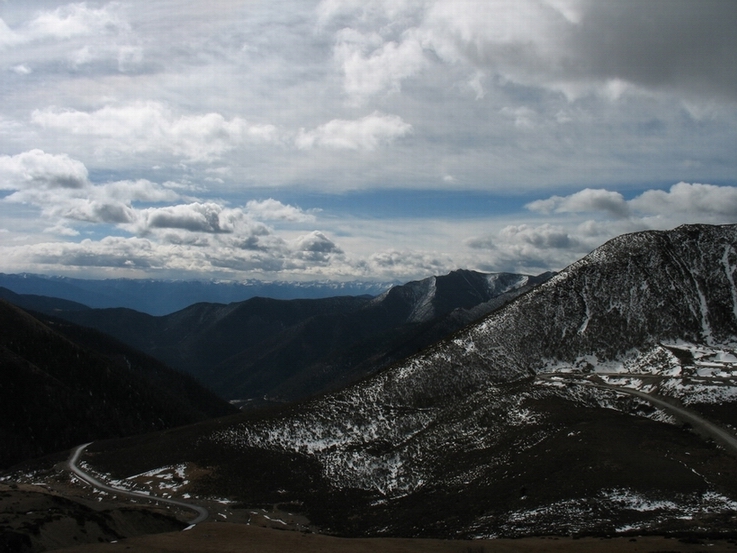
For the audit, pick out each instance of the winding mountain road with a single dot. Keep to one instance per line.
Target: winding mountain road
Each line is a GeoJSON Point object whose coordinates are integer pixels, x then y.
{"type": "Point", "coordinates": [202, 513]}
{"type": "Point", "coordinates": [724, 437]}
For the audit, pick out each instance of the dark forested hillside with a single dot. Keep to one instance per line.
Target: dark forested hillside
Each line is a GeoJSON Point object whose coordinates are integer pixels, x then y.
{"type": "Point", "coordinates": [55, 393]}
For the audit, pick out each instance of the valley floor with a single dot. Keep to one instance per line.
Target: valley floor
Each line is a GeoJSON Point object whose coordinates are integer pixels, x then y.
{"type": "Point", "coordinates": [222, 537]}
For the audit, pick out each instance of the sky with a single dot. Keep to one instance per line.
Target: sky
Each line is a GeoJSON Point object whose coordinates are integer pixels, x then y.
{"type": "Point", "coordinates": [381, 140]}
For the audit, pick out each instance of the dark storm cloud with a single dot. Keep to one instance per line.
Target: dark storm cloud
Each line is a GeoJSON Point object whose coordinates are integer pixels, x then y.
{"type": "Point", "coordinates": [681, 44]}
{"type": "Point", "coordinates": [194, 218]}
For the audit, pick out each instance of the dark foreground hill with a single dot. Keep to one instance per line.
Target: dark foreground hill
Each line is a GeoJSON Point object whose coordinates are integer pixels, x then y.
{"type": "Point", "coordinates": [55, 393]}
{"type": "Point", "coordinates": [522, 424]}
{"type": "Point", "coordinates": [289, 350]}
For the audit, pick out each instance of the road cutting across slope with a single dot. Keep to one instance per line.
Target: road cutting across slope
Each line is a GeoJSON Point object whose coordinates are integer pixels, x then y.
{"type": "Point", "coordinates": [202, 513]}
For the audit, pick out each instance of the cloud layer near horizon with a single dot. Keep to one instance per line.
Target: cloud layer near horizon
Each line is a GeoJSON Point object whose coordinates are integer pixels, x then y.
{"type": "Point", "coordinates": [184, 139]}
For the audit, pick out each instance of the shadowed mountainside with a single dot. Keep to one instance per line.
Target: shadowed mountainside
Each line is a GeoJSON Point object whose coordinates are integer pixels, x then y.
{"type": "Point", "coordinates": [288, 350]}
{"type": "Point", "coordinates": [55, 393]}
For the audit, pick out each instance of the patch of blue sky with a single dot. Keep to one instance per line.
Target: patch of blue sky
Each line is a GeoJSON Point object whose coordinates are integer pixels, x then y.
{"type": "Point", "coordinates": [409, 204]}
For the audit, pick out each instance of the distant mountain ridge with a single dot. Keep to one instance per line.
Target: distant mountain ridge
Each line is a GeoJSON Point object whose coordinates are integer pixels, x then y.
{"type": "Point", "coordinates": [290, 349]}
{"type": "Point", "coordinates": [161, 297]}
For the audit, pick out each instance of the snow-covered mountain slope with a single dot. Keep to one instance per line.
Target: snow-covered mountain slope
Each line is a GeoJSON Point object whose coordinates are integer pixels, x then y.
{"type": "Point", "coordinates": [437, 296]}
{"type": "Point", "coordinates": [468, 438]}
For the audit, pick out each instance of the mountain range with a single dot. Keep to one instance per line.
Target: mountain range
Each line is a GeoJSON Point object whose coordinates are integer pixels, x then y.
{"type": "Point", "coordinates": [160, 297]}
{"type": "Point", "coordinates": [525, 423]}
{"type": "Point", "coordinates": [599, 401]}
{"type": "Point", "coordinates": [285, 350]}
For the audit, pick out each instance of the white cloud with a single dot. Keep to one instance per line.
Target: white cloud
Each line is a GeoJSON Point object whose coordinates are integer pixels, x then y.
{"type": "Point", "coordinates": [273, 210]}
{"type": "Point", "coordinates": [152, 126]}
{"type": "Point", "coordinates": [530, 248]}
{"type": "Point", "coordinates": [172, 117]}
{"type": "Point", "coordinates": [698, 201]}
{"type": "Point", "coordinates": [22, 69]}
{"type": "Point", "coordinates": [367, 133]}
{"type": "Point", "coordinates": [66, 22]}
{"type": "Point", "coordinates": [541, 237]}
{"type": "Point", "coordinates": [76, 20]}
{"type": "Point", "coordinates": [372, 67]}
{"type": "Point", "coordinates": [523, 117]}
{"type": "Point", "coordinates": [196, 217]}
{"type": "Point", "coordinates": [37, 169]}
{"type": "Point", "coordinates": [181, 235]}
{"type": "Point", "coordinates": [315, 247]}
{"type": "Point", "coordinates": [78, 33]}
{"type": "Point", "coordinates": [695, 200]}
{"type": "Point", "coordinates": [404, 264]}
{"type": "Point", "coordinates": [140, 190]}
{"type": "Point", "coordinates": [587, 200]}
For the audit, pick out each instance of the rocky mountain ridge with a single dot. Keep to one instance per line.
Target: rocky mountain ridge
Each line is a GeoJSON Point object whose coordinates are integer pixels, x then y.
{"type": "Point", "coordinates": [290, 349]}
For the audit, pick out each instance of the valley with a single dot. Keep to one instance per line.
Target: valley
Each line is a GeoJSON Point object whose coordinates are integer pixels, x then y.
{"type": "Point", "coordinates": [595, 407]}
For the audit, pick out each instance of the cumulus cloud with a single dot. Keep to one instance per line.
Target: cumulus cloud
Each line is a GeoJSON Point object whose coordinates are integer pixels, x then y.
{"type": "Point", "coordinates": [698, 200]}
{"type": "Point", "coordinates": [93, 211]}
{"type": "Point", "coordinates": [176, 233]}
{"type": "Point", "coordinates": [60, 187]}
{"type": "Point", "coordinates": [367, 133]}
{"type": "Point", "coordinates": [174, 253]}
{"type": "Point", "coordinates": [682, 199]}
{"type": "Point", "coordinates": [273, 210]}
{"type": "Point", "coordinates": [408, 263]}
{"type": "Point", "coordinates": [37, 169]}
{"type": "Point", "coordinates": [152, 126]}
{"type": "Point", "coordinates": [535, 96]}
{"type": "Point", "coordinates": [315, 247]}
{"type": "Point", "coordinates": [530, 248]}
{"type": "Point", "coordinates": [110, 252]}
{"type": "Point", "coordinates": [530, 237]}
{"type": "Point", "coordinates": [196, 217]}
{"type": "Point", "coordinates": [372, 66]}
{"type": "Point", "coordinates": [543, 237]}
{"type": "Point", "coordinates": [587, 200]}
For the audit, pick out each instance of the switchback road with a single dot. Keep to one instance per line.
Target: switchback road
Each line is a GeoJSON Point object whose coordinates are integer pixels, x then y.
{"type": "Point", "coordinates": [202, 513]}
